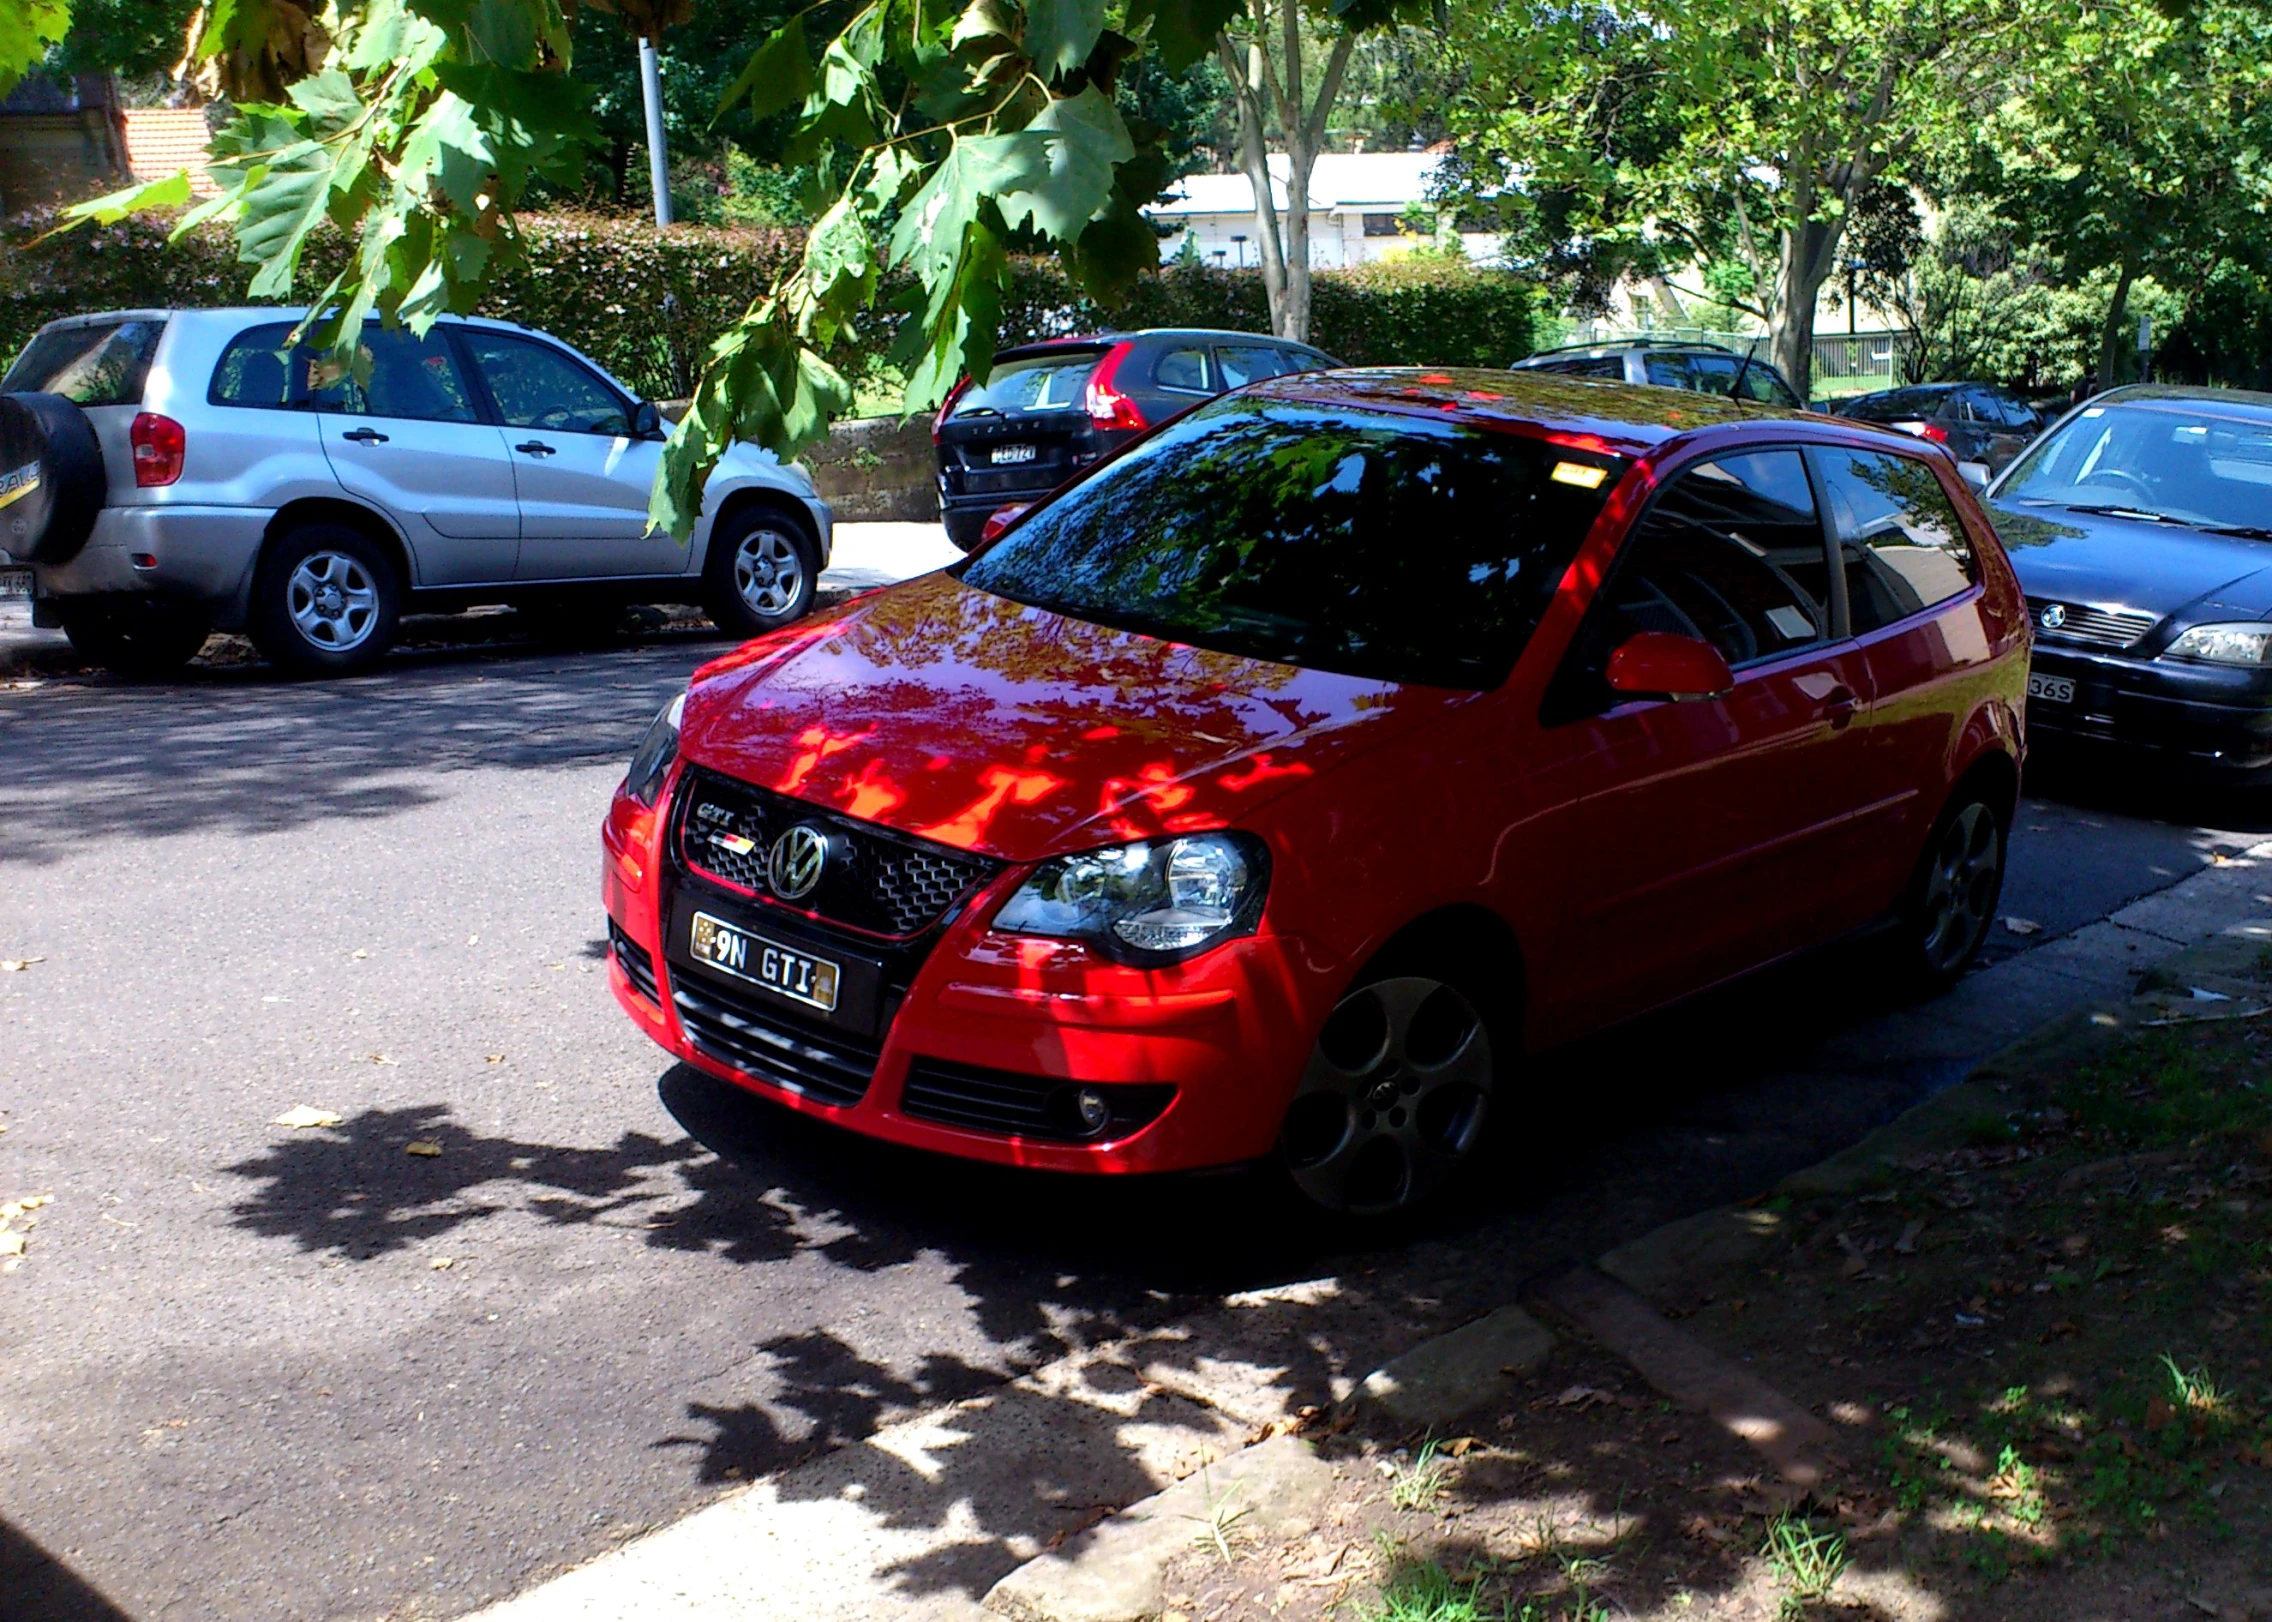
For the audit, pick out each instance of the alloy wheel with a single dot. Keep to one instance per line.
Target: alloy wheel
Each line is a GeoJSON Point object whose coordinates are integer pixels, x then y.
{"type": "Point", "coordinates": [1962, 876]}
{"type": "Point", "coordinates": [333, 601]}
{"type": "Point", "coordinates": [1393, 1100]}
{"type": "Point", "coordinates": [768, 573]}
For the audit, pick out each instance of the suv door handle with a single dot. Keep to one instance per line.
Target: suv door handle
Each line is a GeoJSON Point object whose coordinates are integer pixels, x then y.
{"type": "Point", "coordinates": [533, 447]}
{"type": "Point", "coordinates": [365, 436]}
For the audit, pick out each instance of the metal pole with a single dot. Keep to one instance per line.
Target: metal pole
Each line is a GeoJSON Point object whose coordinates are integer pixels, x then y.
{"type": "Point", "coordinates": [658, 153]}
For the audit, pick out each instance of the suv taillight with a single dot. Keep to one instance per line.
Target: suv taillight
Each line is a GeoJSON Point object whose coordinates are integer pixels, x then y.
{"type": "Point", "coordinates": [946, 407]}
{"type": "Point", "coordinates": [159, 445]}
{"type": "Point", "coordinates": [1108, 407]}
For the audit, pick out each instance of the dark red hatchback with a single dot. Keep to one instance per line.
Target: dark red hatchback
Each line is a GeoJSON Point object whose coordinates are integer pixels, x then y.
{"type": "Point", "coordinates": [1267, 792]}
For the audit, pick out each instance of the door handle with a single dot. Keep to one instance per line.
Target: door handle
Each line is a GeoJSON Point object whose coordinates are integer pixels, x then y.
{"type": "Point", "coordinates": [533, 447]}
{"type": "Point", "coordinates": [365, 436]}
{"type": "Point", "coordinates": [1838, 704]}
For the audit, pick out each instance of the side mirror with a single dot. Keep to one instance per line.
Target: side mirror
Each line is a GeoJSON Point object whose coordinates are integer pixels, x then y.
{"type": "Point", "coordinates": [1659, 664]}
{"type": "Point", "coordinates": [1975, 474]}
{"type": "Point", "coordinates": [646, 420]}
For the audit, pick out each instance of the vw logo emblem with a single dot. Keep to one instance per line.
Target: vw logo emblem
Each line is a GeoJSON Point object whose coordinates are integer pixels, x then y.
{"type": "Point", "coordinates": [793, 867]}
{"type": "Point", "coordinates": [2053, 617]}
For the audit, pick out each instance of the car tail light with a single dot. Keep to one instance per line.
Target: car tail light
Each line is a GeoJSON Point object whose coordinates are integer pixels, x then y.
{"type": "Point", "coordinates": [159, 445]}
{"type": "Point", "coordinates": [1000, 519]}
{"type": "Point", "coordinates": [1923, 430]}
{"type": "Point", "coordinates": [1108, 407]}
{"type": "Point", "coordinates": [946, 408]}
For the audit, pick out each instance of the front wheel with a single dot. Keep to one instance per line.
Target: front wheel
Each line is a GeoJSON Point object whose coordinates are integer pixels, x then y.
{"type": "Point", "coordinates": [325, 602]}
{"type": "Point", "coordinates": [1952, 897]}
{"type": "Point", "coordinates": [761, 572]}
{"type": "Point", "coordinates": [1392, 1107]}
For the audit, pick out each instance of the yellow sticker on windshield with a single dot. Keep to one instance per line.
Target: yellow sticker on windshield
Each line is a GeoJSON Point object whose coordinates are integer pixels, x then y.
{"type": "Point", "coordinates": [1577, 473]}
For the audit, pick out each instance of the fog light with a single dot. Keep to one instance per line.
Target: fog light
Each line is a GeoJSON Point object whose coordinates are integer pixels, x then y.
{"type": "Point", "coordinates": [1096, 1111]}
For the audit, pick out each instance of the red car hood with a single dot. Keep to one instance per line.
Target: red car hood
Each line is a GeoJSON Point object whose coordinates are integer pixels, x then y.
{"type": "Point", "coordinates": [955, 715]}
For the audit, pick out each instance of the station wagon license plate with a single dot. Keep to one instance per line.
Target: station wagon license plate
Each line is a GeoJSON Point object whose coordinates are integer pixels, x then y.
{"type": "Point", "coordinates": [15, 583]}
{"type": "Point", "coordinates": [799, 976]}
{"type": "Point", "coordinates": [1004, 455]}
{"type": "Point", "coordinates": [2051, 689]}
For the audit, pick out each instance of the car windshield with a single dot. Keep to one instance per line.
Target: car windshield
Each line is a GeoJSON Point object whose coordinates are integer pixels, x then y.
{"type": "Point", "coordinates": [1053, 382]}
{"type": "Point", "coordinates": [1370, 543]}
{"type": "Point", "coordinates": [98, 363]}
{"type": "Point", "coordinates": [2199, 462]}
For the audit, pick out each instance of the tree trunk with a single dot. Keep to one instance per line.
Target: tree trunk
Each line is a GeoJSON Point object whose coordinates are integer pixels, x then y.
{"type": "Point", "coordinates": [1246, 78]}
{"type": "Point", "coordinates": [1806, 257]}
{"type": "Point", "coordinates": [1301, 121]}
{"type": "Point", "coordinates": [2110, 335]}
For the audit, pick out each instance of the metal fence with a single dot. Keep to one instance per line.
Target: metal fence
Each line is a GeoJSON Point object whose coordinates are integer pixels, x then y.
{"type": "Point", "coordinates": [1842, 355]}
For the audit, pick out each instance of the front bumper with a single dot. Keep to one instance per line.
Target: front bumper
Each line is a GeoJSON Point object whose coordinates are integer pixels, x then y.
{"type": "Point", "coordinates": [2214, 721]}
{"type": "Point", "coordinates": [1206, 1053]}
{"type": "Point", "coordinates": [193, 554]}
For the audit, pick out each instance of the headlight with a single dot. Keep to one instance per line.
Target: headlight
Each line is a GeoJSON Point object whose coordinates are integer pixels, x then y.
{"type": "Point", "coordinates": [2244, 644]}
{"type": "Point", "coordinates": [651, 761]}
{"type": "Point", "coordinates": [1158, 901]}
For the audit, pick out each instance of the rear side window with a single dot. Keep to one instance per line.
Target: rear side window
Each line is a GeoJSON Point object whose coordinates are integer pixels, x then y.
{"type": "Point", "coordinates": [409, 377]}
{"type": "Point", "coordinates": [1900, 543]}
{"type": "Point", "coordinates": [1609, 368]}
{"type": "Point", "coordinates": [1671, 372]}
{"type": "Point", "coordinates": [105, 363]}
{"type": "Point", "coordinates": [1244, 363]}
{"type": "Point", "coordinates": [1035, 383]}
{"type": "Point", "coordinates": [257, 370]}
{"type": "Point", "coordinates": [1184, 370]}
{"type": "Point", "coordinates": [1732, 552]}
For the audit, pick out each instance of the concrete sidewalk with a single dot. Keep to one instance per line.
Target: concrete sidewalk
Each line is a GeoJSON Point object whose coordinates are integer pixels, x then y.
{"type": "Point", "coordinates": [922, 1519]}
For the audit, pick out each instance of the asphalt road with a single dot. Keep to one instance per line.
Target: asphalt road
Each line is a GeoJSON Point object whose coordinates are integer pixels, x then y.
{"type": "Point", "coordinates": [251, 1372]}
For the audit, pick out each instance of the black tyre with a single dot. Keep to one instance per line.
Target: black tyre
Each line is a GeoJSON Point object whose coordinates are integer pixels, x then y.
{"type": "Point", "coordinates": [1951, 899]}
{"type": "Point", "coordinates": [137, 639]}
{"type": "Point", "coordinates": [761, 572]}
{"type": "Point", "coordinates": [325, 602]}
{"type": "Point", "coordinates": [1393, 1110]}
{"type": "Point", "coordinates": [965, 529]}
{"type": "Point", "coordinates": [51, 478]}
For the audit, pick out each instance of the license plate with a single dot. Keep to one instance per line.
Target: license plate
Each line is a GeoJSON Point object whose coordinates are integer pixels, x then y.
{"type": "Point", "coordinates": [799, 976]}
{"type": "Point", "coordinates": [1003, 455]}
{"type": "Point", "coordinates": [15, 582]}
{"type": "Point", "coordinates": [2051, 689]}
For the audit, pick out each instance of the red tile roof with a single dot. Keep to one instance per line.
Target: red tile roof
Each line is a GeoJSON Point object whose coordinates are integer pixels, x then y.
{"type": "Point", "coordinates": [160, 140]}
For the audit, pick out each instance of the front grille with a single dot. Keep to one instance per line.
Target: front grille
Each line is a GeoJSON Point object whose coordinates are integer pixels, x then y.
{"type": "Point", "coordinates": [632, 959]}
{"type": "Point", "coordinates": [827, 1066]}
{"type": "Point", "coordinates": [874, 880]}
{"type": "Point", "coordinates": [1025, 1106]}
{"type": "Point", "coordinates": [2090, 627]}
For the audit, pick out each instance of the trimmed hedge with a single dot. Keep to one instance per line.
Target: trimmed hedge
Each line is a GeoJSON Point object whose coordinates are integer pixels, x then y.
{"type": "Point", "coordinates": [647, 304]}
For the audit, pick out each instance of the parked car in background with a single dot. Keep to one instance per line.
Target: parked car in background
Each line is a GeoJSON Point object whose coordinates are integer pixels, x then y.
{"type": "Point", "coordinates": [1706, 368]}
{"type": "Point", "coordinates": [1978, 422]}
{"type": "Point", "coordinates": [190, 470]}
{"type": "Point", "coordinates": [1205, 817]}
{"type": "Point", "coordinates": [2141, 527]}
{"type": "Point", "coordinates": [1048, 410]}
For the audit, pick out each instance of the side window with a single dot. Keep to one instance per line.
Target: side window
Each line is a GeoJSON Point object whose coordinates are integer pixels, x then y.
{"type": "Point", "coordinates": [1243, 365]}
{"type": "Point", "coordinates": [1900, 543]}
{"type": "Point", "coordinates": [1184, 370]}
{"type": "Point", "coordinates": [256, 369]}
{"type": "Point", "coordinates": [1674, 372]}
{"type": "Point", "coordinates": [412, 377]}
{"type": "Point", "coordinates": [1731, 552]}
{"type": "Point", "coordinates": [1714, 374]}
{"type": "Point", "coordinates": [1610, 368]}
{"type": "Point", "coordinates": [2016, 413]}
{"type": "Point", "coordinates": [536, 386]}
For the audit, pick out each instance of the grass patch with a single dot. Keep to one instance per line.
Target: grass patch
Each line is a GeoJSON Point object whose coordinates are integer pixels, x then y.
{"type": "Point", "coordinates": [1807, 1560]}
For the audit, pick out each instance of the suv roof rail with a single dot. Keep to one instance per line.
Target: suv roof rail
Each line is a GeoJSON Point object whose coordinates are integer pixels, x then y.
{"type": "Point", "coordinates": [1641, 343]}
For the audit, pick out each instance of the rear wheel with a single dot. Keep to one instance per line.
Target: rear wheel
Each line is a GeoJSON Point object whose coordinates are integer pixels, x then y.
{"type": "Point", "coordinates": [325, 602]}
{"type": "Point", "coordinates": [137, 639]}
{"type": "Point", "coordinates": [1393, 1105]}
{"type": "Point", "coordinates": [1952, 896]}
{"type": "Point", "coordinates": [761, 572]}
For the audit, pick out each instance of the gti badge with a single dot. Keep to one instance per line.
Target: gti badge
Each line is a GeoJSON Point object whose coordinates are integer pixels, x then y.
{"type": "Point", "coordinates": [795, 864]}
{"type": "Point", "coordinates": [2053, 617]}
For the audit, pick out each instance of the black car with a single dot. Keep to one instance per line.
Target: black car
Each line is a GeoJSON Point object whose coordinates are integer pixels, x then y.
{"type": "Point", "coordinates": [1050, 409]}
{"type": "Point", "coordinates": [1978, 422]}
{"type": "Point", "coordinates": [2141, 528]}
{"type": "Point", "coordinates": [1705, 368]}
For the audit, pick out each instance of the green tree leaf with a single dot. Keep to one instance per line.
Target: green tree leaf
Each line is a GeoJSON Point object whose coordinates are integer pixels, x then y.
{"type": "Point", "coordinates": [28, 28]}
{"type": "Point", "coordinates": [779, 74]}
{"type": "Point", "coordinates": [1085, 141]}
{"type": "Point", "coordinates": [1059, 34]}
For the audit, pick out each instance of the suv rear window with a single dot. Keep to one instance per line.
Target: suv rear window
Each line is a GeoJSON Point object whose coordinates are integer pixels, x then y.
{"type": "Point", "coordinates": [1053, 382]}
{"type": "Point", "coordinates": [1287, 532]}
{"type": "Point", "coordinates": [104, 363]}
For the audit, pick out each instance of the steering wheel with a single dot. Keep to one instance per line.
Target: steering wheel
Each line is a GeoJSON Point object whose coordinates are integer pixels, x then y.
{"type": "Point", "coordinates": [557, 417]}
{"type": "Point", "coordinates": [2121, 475]}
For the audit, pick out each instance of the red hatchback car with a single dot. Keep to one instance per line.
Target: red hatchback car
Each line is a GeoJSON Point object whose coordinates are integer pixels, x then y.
{"type": "Point", "coordinates": [1273, 788]}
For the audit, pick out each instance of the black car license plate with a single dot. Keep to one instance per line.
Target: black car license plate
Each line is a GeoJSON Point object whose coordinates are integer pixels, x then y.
{"type": "Point", "coordinates": [15, 582]}
{"type": "Point", "coordinates": [2051, 689]}
{"type": "Point", "coordinates": [1004, 455]}
{"type": "Point", "coordinates": [799, 976]}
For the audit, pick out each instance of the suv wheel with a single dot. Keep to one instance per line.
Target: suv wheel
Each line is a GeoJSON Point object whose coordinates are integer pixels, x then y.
{"type": "Point", "coordinates": [1952, 897]}
{"type": "Point", "coordinates": [325, 602]}
{"type": "Point", "coordinates": [761, 571]}
{"type": "Point", "coordinates": [137, 639]}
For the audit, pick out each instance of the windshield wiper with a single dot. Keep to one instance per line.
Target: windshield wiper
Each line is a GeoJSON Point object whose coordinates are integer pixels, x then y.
{"type": "Point", "coordinates": [2253, 532]}
{"type": "Point", "coordinates": [2140, 514]}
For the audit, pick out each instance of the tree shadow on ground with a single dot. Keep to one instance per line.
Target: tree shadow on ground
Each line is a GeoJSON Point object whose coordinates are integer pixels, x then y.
{"type": "Point", "coordinates": [37, 1587]}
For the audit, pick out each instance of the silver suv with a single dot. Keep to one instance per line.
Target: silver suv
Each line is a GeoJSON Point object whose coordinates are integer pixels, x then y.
{"type": "Point", "coordinates": [168, 473]}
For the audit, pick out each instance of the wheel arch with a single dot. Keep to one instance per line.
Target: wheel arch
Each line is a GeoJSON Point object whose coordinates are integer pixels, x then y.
{"type": "Point", "coordinates": [742, 498]}
{"type": "Point", "coordinates": [372, 525]}
{"type": "Point", "coordinates": [1468, 933]}
{"type": "Point", "coordinates": [1995, 775]}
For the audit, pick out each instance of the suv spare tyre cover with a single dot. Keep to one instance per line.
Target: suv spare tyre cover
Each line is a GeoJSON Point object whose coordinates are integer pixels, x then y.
{"type": "Point", "coordinates": [51, 478]}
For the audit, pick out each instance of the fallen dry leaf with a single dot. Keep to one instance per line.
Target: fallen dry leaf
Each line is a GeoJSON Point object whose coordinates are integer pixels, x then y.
{"type": "Point", "coordinates": [494, 1058]}
{"type": "Point", "coordinates": [305, 1115]}
{"type": "Point", "coordinates": [442, 1264]}
{"type": "Point", "coordinates": [380, 1058]}
{"type": "Point", "coordinates": [1906, 1245]}
{"type": "Point", "coordinates": [422, 1146]}
{"type": "Point", "coordinates": [2023, 926]}
{"type": "Point", "coordinates": [1461, 1446]}
{"type": "Point", "coordinates": [17, 965]}
{"type": "Point", "coordinates": [11, 1244]}
{"type": "Point", "coordinates": [358, 954]}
